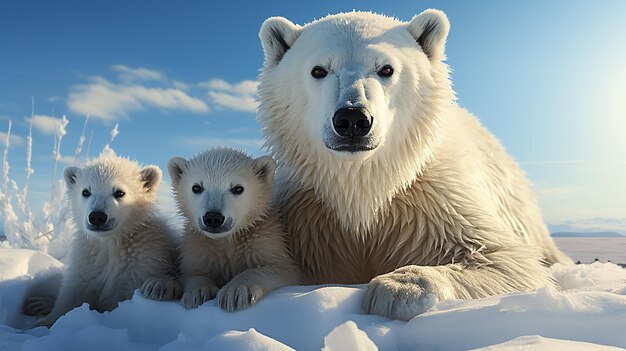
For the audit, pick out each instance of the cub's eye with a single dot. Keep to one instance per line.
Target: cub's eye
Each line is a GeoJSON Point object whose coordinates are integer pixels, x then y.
{"type": "Point", "coordinates": [237, 190]}
{"type": "Point", "coordinates": [386, 71]}
{"type": "Point", "coordinates": [318, 72]}
{"type": "Point", "coordinates": [86, 193]}
{"type": "Point", "coordinates": [197, 189]}
{"type": "Point", "coordinates": [119, 194]}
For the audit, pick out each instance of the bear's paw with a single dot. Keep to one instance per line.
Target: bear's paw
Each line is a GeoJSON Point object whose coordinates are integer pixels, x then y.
{"type": "Point", "coordinates": [404, 293]}
{"type": "Point", "coordinates": [235, 297]}
{"type": "Point", "coordinates": [161, 289]}
{"type": "Point", "coordinates": [197, 296]}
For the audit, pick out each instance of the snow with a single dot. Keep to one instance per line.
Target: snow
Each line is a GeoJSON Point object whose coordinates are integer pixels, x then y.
{"type": "Point", "coordinates": [348, 336]}
{"type": "Point", "coordinates": [536, 342]}
{"type": "Point", "coordinates": [589, 313]}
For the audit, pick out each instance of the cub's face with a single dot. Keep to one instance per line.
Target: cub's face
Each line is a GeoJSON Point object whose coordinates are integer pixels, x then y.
{"type": "Point", "coordinates": [347, 83]}
{"type": "Point", "coordinates": [110, 195]}
{"type": "Point", "coordinates": [222, 191]}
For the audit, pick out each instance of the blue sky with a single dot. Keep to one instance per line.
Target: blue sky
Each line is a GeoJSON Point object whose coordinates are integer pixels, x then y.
{"type": "Point", "coordinates": [548, 78]}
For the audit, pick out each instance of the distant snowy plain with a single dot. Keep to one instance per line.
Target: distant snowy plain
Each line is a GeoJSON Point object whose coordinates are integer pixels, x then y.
{"type": "Point", "coordinates": [588, 313]}
{"type": "Point", "coordinates": [587, 250]}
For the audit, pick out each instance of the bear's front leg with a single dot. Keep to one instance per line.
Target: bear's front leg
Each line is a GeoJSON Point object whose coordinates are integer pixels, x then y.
{"type": "Point", "coordinates": [71, 295]}
{"type": "Point", "coordinates": [411, 290]}
{"type": "Point", "coordinates": [406, 292]}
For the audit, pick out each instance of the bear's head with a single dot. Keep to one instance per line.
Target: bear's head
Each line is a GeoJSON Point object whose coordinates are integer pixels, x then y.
{"type": "Point", "coordinates": [111, 195]}
{"type": "Point", "coordinates": [222, 191]}
{"type": "Point", "coordinates": [352, 100]}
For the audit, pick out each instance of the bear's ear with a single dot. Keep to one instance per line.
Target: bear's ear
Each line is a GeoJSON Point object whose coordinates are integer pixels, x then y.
{"type": "Point", "coordinates": [265, 168]}
{"type": "Point", "coordinates": [277, 35]}
{"type": "Point", "coordinates": [176, 167]}
{"type": "Point", "coordinates": [430, 29]}
{"type": "Point", "coordinates": [150, 176]}
{"type": "Point", "coordinates": [70, 175]}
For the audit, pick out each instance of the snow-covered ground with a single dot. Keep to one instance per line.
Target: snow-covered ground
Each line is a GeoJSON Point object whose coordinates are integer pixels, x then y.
{"type": "Point", "coordinates": [588, 314]}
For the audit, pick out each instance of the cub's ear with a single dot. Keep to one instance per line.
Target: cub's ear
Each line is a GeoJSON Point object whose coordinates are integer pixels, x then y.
{"type": "Point", "coordinates": [265, 168]}
{"type": "Point", "coordinates": [430, 29]}
{"type": "Point", "coordinates": [176, 167]}
{"type": "Point", "coordinates": [70, 175]}
{"type": "Point", "coordinates": [277, 35]}
{"type": "Point", "coordinates": [150, 176]}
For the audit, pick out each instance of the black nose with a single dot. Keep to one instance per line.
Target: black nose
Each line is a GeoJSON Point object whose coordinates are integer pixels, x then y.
{"type": "Point", "coordinates": [97, 218]}
{"type": "Point", "coordinates": [213, 219]}
{"type": "Point", "coordinates": [352, 122]}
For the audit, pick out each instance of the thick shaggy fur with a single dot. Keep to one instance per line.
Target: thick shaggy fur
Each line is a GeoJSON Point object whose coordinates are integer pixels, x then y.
{"type": "Point", "coordinates": [436, 210]}
{"type": "Point", "coordinates": [242, 263]}
{"type": "Point", "coordinates": [139, 251]}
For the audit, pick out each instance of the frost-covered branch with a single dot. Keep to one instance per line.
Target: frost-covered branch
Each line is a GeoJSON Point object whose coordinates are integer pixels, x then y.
{"type": "Point", "coordinates": [107, 148]}
{"type": "Point", "coordinates": [29, 156]}
{"type": "Point", "coordinates": [89, 146]}
{"type": "Point", "coordinates": [60, 133]}
{"type": "Point", "coordinates": [14, 228]}
{"type": "Point", "coordinates": [81, 140]}
{"type": "Point", "coordinates": [5, 164]}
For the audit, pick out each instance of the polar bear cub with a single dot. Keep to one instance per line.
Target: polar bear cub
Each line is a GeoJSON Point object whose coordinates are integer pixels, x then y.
{"type": "Point", "coordinates": [120, 243]}
{"type": "Point", "coordinates": [232, 239]}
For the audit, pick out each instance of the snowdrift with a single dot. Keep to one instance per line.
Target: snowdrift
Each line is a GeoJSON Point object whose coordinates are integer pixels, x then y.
{"type": "Point", "coordinates": [589, 313]}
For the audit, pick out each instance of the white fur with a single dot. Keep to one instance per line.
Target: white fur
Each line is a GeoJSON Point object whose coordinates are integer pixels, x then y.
{"type": "Point", "coordinates": [250, 258]}
{"type": "Point", "coordinates": [105, 267]}
{"type": "Point", "coordinates": [436, 190]}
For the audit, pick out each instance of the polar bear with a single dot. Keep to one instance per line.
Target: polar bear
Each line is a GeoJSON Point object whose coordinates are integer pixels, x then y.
{"type": "Point", "coordinates": [232, 238]}
{"type": "Point", "coordinates": [382, 178]}
{"type": "Point", "coordinates": [120, 244]}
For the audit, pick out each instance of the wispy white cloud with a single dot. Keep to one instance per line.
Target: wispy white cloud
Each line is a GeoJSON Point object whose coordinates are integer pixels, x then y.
{"type": "Point", "coordinates": [180, 85]}
{"type": "Point", "coordinates": [13, 140]}
{"type": "Point", "coordinates": [44, 124]}
{"type": "Point", "coordinates": [137, 89]}
{"type": "Point", "coordinates": [238, 96]}
{"type": "Point", "coordinates": [245, 103]}
{"type": "Point", "coordinates": [246, 87]}
{"type": "Point", "coordinates": [129, 74]}
{"type": "Point", "coordinates": [110, 101]}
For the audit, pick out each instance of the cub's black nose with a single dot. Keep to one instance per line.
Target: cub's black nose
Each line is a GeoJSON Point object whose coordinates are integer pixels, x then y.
{"type": "Point", "coordinates": [213, 219]}
{"type": "Point", "coordinates": [352, 122]}
{"type": "Point", "coordinates": [98, 218]}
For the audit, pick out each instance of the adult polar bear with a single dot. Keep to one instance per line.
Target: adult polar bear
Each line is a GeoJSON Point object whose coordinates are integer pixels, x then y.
{"type": "Point", "coordinates": [384, 179]}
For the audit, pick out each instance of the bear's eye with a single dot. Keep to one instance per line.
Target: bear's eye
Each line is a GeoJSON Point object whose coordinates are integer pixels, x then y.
{"type": "Point", "coordinates": [197, 189]}
{"type": "Point", "coordinates": [118, 194]}
{"type": "Point", "coordinates": [237, 190]}
{"type": "Point", "coordinates": [318, 72]}
{"type": "Point", "coordinates": [86, 193]}
{"type": "Point", "coordinates": [386, 71]}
